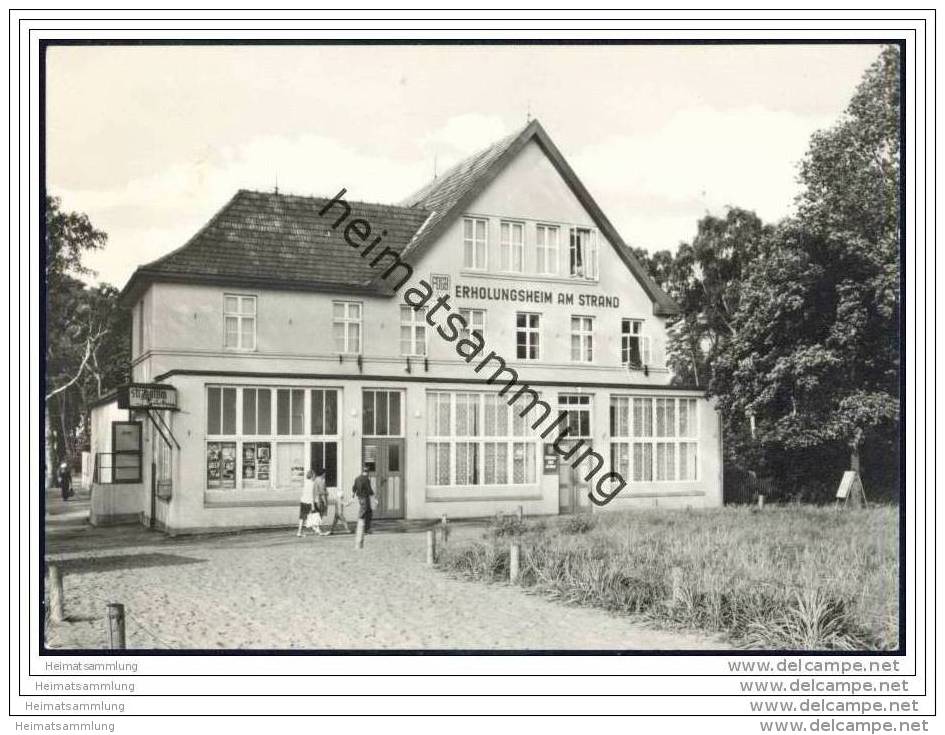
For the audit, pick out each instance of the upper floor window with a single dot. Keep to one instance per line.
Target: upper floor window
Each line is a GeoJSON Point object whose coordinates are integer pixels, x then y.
{"type": "Point", "coordinates": [634, 346]}
{"type": "Point", "coordinates": [346, 326]}
{"type": "Point", "coordinates": [413, 332]}
{"type": "Point", "coordinates": [475, 322]}
{"type": "Point", "coordinates": [474, 243]}
{"type": "Point", "coordinates": [239, 322]}
{"type": "Point", "coordinates": [512, 247]}
{"type": "Point", "coordinates": [582, 338]}
{"type": "Point", "coordinates": [546, 250]}
{"type": "Point", "coordinates": [527, 336]}
{"type": "Point", "coordinates": [139, 320]}
{"type": "Point", "coordinates": [583, 253]}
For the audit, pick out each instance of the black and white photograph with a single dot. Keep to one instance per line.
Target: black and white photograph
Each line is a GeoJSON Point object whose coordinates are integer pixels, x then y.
{"type": "Point", "coordinates": [473, 346]}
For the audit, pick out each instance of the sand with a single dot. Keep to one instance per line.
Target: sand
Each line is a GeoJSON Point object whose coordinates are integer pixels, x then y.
{"type": "Point", "coordinates": [272, 590]}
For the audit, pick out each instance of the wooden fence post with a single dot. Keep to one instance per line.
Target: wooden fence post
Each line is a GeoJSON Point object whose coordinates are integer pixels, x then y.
{"type": "Point", "coordinates": [431, 547]}
{"type": "Point", "coordinates": [115, 614]}
{"type": "Point", "coordinates": [514, 564]}
{"type": "Point", "coordinates": [359, 534]}
{"type": "Point", "coordinates": [56, 614]}
{"type": "Point", "coordinates": [675, 576]}
{"type": "Point", "coordinates": [761, 502]}
{"type": "Point", "coordinates": [445, 528]}
{"type": "Point", "coordinates": [521, 513]}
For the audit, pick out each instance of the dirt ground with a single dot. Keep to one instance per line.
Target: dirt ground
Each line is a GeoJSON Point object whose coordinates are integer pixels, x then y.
{"type": "Point", "coordinates": [272, 590]}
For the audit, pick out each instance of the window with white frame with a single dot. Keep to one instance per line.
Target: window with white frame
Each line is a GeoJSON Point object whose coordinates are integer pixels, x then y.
{"type": "Point", "coordinates": [413, 331]}
{"type": "Point", "coordinates": [475, 322]}
{"type": "Point", "coordinates": [239, 322]}
{"type": "Point", "coordinates": [577, 408]}
{"type": "Point", "coordinates": [346, 326]}
{"type": "Point", "coordinates": [546, 250]}
{"type": "Point", "coordinates": [474, 243]}
{"type": "Point", "coordinates": [654, 439]}
{"type": "Point", "coordinates": [290, 411]}
{"type": "Point", "coordinates": [478, 439]}
{"type": "Point", "coordinates": [527, 336]}
{"type": "Point", "coordinates": [381, 413]}
{"type": "Point", "coordinates": [634, 345]}
{"type": "Point", "coordinates": [582, 338]}
{"type": "Point", "coordinates": [279, 437]}
{"type": "Point", "coordinates": [583, 253]}
{"type": "Point", "coordinates": [512, 247]}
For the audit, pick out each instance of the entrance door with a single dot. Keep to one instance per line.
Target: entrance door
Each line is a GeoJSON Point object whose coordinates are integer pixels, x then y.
{"type": "Point", "coordinates": [572, 487]}
{"type": "Point", "coordinates": [385, 461]}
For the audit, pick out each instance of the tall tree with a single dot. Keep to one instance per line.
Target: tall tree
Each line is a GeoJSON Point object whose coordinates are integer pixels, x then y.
{"type": "Point", "coordinates": [77, 324]}
{"type": "Point", "coordinates": [814, 353]}
{"type": "Point", "coordinates": [705, 279]}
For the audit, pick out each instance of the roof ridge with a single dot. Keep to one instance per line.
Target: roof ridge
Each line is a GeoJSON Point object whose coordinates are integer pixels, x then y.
{"type": "Point", "coordinates": [329, 197]}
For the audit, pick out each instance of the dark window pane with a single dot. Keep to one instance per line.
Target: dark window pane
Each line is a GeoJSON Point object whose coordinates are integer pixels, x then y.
{"type": "Point", "coordinates": [331, 412]}
{"type": "Point", "coordinates": [318, 456]}
{"type": "Point", "coordinates": [613, 421]}
{"type": "Point", "coordinates": [264, 401]}
{"type": "Point", "coordinates": [521, 352]}
{"type": "Point", "coordinates": [585, 423]}
{"type": "Point", "coordinates": [367, 412]}
{"type": "Point", "coordinates": [318, 414]}
{"type": "Point", "coordinates": [394, 415]}
{"type": "Point", "coordinates": [229, 410]}
{"type": "Point", "coordinates": [331, 464]}
{"type": "Point", "coordinates": [393, 458]}
{"type": "Point", "coordinates": [520, 320]}
{"type": "Point", "coordinates": [381, 407]}
{"type": "Point", "coordinates": [298, 411]}
{"type": "Point", "coordinates": [282, 411]}
{"type": "Point", "coordinates": [213, 410]}
{"type": "Point", "coordinates": [249, 410]}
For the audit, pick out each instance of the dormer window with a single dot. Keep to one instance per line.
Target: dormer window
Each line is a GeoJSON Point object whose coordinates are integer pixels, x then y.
{"type": "Point", "coordinates": [583, 254]}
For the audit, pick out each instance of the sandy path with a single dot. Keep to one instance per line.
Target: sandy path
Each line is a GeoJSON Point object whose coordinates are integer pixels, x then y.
{"type": "Point", "coordinates": [273, 590]}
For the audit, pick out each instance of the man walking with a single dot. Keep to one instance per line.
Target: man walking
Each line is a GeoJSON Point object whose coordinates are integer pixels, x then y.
{"type": "Point", "coordinates": [363, 491]}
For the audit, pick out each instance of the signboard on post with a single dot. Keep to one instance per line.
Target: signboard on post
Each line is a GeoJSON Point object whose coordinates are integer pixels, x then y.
{"type": "Point", "coordinates": [148, 395]}
{"type": "Point", "coordinates": [851, 489]}
{"type": "Point", "coordinates": [550, 460]}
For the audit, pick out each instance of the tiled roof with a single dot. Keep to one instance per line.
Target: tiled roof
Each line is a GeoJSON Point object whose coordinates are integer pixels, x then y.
{"type": "Point", "coordinates": [281, 241]}
{"type": "Point", "coordinates": [268, 237]}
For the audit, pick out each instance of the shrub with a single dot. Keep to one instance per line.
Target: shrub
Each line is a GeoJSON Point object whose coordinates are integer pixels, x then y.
{"type": "Point", "coordinates": [507, 526]}
{"type": "Point", "coordinates": [577, 524]}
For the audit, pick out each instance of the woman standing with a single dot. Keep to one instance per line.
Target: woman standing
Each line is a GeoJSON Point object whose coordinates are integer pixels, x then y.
{"type": "Point", "coordinates": [321, 501]}
{"type": "Point", "coordinates": [307, 501]}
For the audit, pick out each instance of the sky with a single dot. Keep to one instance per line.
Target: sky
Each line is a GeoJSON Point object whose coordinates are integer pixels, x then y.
{"type": "Point", "coordinates": [151, 141]}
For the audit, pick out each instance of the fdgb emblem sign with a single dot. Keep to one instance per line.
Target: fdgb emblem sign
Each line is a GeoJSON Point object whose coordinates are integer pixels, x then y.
{"type": "Point", "coordinates": [148, 395]}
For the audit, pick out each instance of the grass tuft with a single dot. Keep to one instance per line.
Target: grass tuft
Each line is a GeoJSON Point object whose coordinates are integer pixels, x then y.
{"type": "Point", "coordinates": [792, 577]}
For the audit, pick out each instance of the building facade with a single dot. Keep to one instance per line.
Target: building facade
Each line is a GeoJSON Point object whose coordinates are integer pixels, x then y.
{"type": "Point", "coordinates": [292, 333]}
